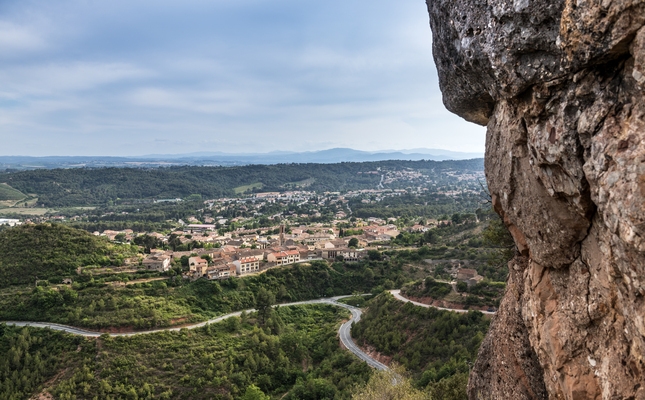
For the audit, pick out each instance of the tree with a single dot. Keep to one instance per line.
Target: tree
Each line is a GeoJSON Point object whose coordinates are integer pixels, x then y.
{"type": "Point", "coordinates": [368, 275]}
{"type": "Point", "coordinates": [389, 385]}
{"type": "Point", "coordinates": [184, 261]}
{"type": "Point", "coordinates": [174, 241]}
{"type": "Point", "coordinates": [374, 255]}
{"type": "Point", "coordinates": [431, 236]}
{"type": "Point", "coordinates": [254, 393]}
{"type": "Point", "coordinates": [313, 389]}
{"type": "Point", "coordinates": [233, 324]}
{"type": "Point", "coordinates": [353, 242]}
{"type": "Point", "coordinates": [451, 388]}
{"type": "Point", "coordinates": [264, 304]}
{"type": "Point", "coordinates": [147, 242]}
{"type": "Point", "coordinates": [283, 293]}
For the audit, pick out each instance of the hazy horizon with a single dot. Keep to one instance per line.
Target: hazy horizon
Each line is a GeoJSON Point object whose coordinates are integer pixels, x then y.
{"type": "Point", "coordinates": [246, 76]}
{"type": "Point", "coordinates": [196, 153]}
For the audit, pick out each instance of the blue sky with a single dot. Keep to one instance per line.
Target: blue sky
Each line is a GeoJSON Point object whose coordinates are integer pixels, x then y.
{"type": "Point", "coordinates": [137, 77]}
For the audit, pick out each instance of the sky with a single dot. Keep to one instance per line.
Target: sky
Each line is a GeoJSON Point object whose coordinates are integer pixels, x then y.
{"type": "Point", "coordinates": [135, 77]}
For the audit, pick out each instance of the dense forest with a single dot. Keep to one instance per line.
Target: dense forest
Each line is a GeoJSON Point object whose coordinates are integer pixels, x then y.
{"type": "Point", "coordinates": [292, 354]}
{"type": "Point", "coordinates": [432, 344]}
{"type": "Point", "coordinates": [81, 187]}
{"type": "Point", "coordinates": [32, 356]}
{"type": "Point", "coordinates": [417, 207]}
{"type": "Point", "coordinates": [52, 251]}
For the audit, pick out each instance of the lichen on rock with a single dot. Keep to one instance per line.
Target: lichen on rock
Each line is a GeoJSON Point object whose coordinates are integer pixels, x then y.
{"type": "Point", "coordinates": [561, 88]}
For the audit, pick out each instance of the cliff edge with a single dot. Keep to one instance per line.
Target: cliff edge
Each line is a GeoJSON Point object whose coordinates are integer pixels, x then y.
{"type": "Point", "coordinates": [561, 87]}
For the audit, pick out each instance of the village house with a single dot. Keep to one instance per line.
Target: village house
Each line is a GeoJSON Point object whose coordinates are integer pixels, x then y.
{"type": "Point", "coordinates": [320, 237]}
{"type": "Point", "coordinates": [197, 228]}
{"type": "Point", "coordinates": [418, 228]}
{"type": "Point", "coordinates": [157, 262]}
{"type": "Point", "coordinates": [349, 255]}
{"type": "Point", "coordinates": [304, 254]}
{"type": "Point", "coordinates": [464, 274]}
{"type": "Point", "coordinates": [247, 265]}
{"type": "Point", "coordinates": [284, 257]}
{"type": "Point", "coordinates": [110, 234]}
{"type": "Point", "coordinates": [176, 255]}
{"type": "Point", "coordinates": [221, 271]}
{"type": "Point", "coordinates": [262, 243]}
{"type": "Point", "coordinates": [352, 255]}
{"type": "Point", "coordinates": [197, 265]}
{"type": "Point", "coordinates": [254, 253]}
{"type": "Point", "coordinates": [470, 276]}
{"type": "Point", "coordinates": [235, 243]}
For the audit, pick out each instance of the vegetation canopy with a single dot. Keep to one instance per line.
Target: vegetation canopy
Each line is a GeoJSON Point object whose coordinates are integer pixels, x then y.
{"type": "Point", "coordinates": [52, 251]}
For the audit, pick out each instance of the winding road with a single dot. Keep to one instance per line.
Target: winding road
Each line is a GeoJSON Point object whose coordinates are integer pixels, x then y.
{"type": "Point", "coordinates": [397, 295]}
{"type": "Point", "coordinates": [346, 338]}
{"type": "Point", "coordinates": [344, 331]}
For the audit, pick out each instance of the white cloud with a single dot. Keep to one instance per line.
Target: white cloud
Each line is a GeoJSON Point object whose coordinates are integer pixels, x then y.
{"type": "Point", "coordinates": [15, 38]}
{"type": "Point", "coordinates": [57, 78]}
{"type": "Point", "coordinates": [125, 77]}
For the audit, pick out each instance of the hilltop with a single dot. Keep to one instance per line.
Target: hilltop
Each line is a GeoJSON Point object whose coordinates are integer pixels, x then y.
{"type": "Point", "coordinates": [206, 158]}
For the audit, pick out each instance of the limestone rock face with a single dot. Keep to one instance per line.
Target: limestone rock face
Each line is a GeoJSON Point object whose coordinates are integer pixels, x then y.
{"type": "Point", "coordinates": [561, 88]}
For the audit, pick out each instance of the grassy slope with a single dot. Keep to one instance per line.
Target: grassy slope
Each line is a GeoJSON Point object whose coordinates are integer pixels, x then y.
{"type": "Point", "coordinates": [9, 193]}
{"type": "Point", "coordinates": [244, 188]}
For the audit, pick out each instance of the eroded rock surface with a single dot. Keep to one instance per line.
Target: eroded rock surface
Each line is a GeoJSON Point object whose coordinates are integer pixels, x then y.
{"type": "Point", "coordinates": [561, 88]}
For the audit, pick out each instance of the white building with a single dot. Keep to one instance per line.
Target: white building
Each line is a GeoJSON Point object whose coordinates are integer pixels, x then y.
{"type": "Point", "coordinates": [10, 222]}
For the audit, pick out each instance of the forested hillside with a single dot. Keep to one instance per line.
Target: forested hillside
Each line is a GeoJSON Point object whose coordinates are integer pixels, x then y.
{"type": "Point", "coordinates": [432, 344]}
{"type": "Point", "coordinates": [33, 356]}
{"type": "Point", "coordinates": [294, 355]}
{"type": "Point", "coordinates": [51, 251]}
{"type": "Point", "coordinates": [79, 187]}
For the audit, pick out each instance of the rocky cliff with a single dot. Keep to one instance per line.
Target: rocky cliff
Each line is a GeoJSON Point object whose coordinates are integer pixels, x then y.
{"type": "Point", "coordinates": [561, 87]}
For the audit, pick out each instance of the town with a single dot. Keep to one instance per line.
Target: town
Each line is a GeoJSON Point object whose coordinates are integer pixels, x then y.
{"type": "Point", "coordinates": [244, 251]}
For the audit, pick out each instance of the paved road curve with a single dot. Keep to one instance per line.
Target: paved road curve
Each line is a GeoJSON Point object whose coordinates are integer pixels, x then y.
{"type": "Point", "coordinates": [397, 295]}
{"type": "Point", "coordinates": [344, 331]}
{"type": "Point", "coordinates": [348, 342]}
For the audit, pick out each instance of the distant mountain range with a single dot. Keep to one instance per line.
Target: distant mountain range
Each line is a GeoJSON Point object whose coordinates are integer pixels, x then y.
{"type": "Point", "coordinates": [230, 159]}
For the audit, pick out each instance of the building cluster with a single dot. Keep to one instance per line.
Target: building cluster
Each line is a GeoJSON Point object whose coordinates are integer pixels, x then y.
{"type": "Point", "coordinates": [251, 254]}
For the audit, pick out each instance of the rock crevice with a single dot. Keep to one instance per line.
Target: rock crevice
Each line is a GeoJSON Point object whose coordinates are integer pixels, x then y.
{"type": "Point", "coordinates": [561, 88]}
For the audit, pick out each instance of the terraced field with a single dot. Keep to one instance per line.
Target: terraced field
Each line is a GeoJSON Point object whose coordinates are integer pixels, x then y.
{"type": "Point", "coordinates": [242, 189]}
{"type": "Point", "coordinates": [9, 193]}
